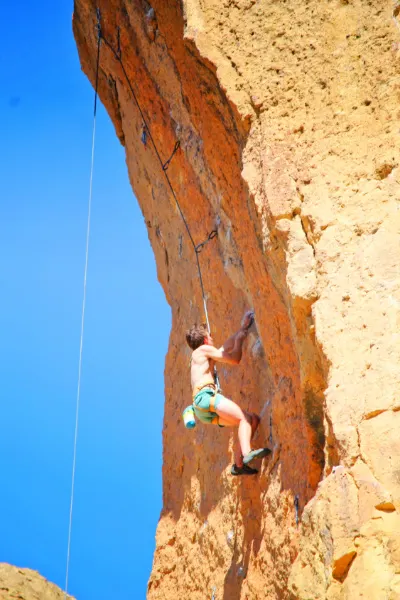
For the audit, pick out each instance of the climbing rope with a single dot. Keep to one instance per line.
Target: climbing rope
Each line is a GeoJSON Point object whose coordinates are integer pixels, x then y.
{"type": "Point", "coordinates": [146, 133]}
{"type": "Point", "coordinates": [78, 393]}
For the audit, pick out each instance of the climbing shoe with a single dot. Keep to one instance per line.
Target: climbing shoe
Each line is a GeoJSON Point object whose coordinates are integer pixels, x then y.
{"type": "Point", "coordinates": [245, 470]}
{"type": "Point", "coordinates": [253, 454]}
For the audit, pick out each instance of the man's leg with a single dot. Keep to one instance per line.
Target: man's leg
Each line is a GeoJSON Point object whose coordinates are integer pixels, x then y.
{"type": "Point", "coordinates": [254, 420]}
{"type": "Point", "coordinates": [230, 415]}
{"type": "Point", "coordinates": [226, 422]}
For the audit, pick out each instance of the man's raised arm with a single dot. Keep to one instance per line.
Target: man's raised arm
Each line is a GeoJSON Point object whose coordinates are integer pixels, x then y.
{"type": "Point", "coordinates": [231, 351]}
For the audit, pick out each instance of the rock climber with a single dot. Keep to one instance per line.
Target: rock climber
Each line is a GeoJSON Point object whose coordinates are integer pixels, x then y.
{"type": "Point", "coordinates": [212, 407]}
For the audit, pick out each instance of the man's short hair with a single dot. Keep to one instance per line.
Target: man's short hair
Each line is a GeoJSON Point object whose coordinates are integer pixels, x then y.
{"type": "Point", "coordinates": [196, 335]}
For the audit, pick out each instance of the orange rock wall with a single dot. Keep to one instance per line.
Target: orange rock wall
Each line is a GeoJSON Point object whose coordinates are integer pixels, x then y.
{"type": "Point", "coordinates": [288, 118]}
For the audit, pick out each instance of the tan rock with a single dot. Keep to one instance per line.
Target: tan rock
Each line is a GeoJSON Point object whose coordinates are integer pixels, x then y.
{"type": "Point", "coordinates": [333, 515]}
{"type": "Point", "coordinates": [373, 574]}
{"type": "Point", "coordinates": [372, 495]}
{"type": "Point", "coordinates": [380, 447]}
{"type": "Point", "coordinates": [27, 585]}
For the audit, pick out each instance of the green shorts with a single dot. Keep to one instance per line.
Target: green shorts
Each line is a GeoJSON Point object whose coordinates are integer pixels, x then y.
{"type": "Point", "coordinates": [201, 405]}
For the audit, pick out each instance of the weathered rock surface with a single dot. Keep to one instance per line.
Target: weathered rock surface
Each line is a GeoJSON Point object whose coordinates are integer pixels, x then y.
{"type": "Point", "coordinates": [288, 114]}
{"type": "Point", "coordinates": [25, 584]}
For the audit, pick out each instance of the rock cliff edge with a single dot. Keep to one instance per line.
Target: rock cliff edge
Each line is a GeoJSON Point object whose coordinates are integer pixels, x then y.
{"type": "Point", "coordinates": [25, 584]}
{"type": "Point", "coordinates": [288, 116]}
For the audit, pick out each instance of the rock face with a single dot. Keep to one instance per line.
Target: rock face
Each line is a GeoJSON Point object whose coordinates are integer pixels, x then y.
{"type": "Point", "coordinates": [25, 584]}
{"type": "Point", "coordinates": [288, 119]}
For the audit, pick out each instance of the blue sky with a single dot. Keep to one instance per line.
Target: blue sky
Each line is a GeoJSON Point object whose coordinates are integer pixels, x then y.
{"type": "Point", "coordinates": [46, 106]}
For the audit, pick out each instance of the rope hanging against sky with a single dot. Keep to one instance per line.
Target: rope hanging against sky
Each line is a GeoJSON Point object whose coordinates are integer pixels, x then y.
{"type": "Point", "coordinates": [196, 247]}
{"type": "Point", "coordinates": [78, 393]}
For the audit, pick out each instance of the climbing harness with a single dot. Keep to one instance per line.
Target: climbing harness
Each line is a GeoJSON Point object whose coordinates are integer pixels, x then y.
{"type": "Point", "coordinates": [78, 392]}
{"type": "Point", "coordinates": [213, 399]}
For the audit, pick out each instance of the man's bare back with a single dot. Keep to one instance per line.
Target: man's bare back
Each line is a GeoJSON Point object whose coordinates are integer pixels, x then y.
{"type": "Point", "coordinates": [201, 369]}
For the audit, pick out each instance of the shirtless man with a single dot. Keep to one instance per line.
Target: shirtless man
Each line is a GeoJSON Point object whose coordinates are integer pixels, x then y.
{"type": "Point", "coordinates": [209, 405]}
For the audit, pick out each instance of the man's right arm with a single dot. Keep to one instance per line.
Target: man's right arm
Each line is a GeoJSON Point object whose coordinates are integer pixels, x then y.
{"type": "Point", "coordinates": [231, 351]}
{"type": "Point", "coordinates": [221, 355]}
{"type": "Point", "coordinates": [230, 354]}
{"type": "Point", "coordinates": [247, 321]}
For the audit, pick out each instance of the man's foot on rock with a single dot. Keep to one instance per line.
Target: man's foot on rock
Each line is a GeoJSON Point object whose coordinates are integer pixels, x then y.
{"type": "Point", "coordinates": [245, 470]}
{"type": "Point", "coordinates": [253, 454]}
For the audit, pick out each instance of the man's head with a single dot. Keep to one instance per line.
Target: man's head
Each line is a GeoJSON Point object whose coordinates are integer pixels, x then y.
{"type": "Point", "coordinates": [198, 335]}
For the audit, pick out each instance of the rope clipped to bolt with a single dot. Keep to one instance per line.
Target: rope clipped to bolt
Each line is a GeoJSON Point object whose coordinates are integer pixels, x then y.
{"type": "Point", "coordinates": [147, 135]}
